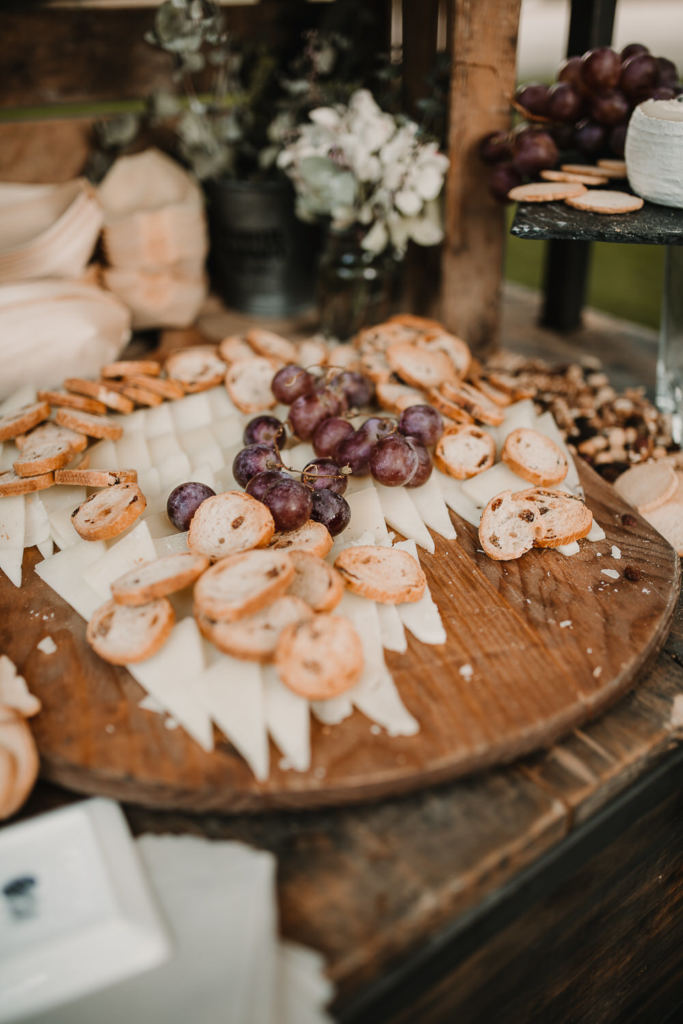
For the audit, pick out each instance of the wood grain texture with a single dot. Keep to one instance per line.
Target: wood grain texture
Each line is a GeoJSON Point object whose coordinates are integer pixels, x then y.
{"type": "Point", "coordinates": [533, 680]}
{"type": "Point", "coordinates": [40, 152]}
{"type": "Point", "coordinates": [483, 44]}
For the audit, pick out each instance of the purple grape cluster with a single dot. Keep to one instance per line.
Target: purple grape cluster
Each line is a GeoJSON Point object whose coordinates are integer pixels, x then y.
{"type": "Point", "coordinates": [586, 110]}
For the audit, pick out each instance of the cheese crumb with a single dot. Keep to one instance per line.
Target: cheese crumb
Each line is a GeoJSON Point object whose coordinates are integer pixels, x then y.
{"type": "Point", "coordinates": [565, 623]}
{"type": "Point", "coordinates": [47, 645]}
{"type": "Point", "coordinates": [616, 552]}
{"type": "Point", "coordinates": [375, 730]}
{"type": "Point", "coordinates": [612, 573]}
{"type": "Point", "coordinates": [645, 590]}
{"type": "Point", "coordinates": [170, 722]}
{"type": "Point", "coordinates": [597, 672]}
{"type": "Point", "coordinates": [466, 671]}
{"type": "Point", "coordinates": [589, 650]}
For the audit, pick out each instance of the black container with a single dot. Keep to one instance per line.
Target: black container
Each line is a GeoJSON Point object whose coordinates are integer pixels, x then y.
{"type": "Point", "coordinates": [263, 260]}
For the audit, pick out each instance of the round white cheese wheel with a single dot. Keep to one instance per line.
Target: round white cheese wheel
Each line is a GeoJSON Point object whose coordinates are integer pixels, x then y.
{"type": "Point", "coordinates": [654, 151]}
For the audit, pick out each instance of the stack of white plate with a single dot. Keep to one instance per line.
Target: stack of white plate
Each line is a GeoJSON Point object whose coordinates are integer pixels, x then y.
{"type": "Point", "coordinates": [52, 329]}
{"type": "Point", "coordinates": [155, 239]}
{"type": "Point", "coordinates": [47, 230]}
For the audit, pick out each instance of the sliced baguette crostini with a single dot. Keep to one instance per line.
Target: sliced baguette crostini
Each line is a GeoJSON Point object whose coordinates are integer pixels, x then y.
{"type": "Point", "coordinates": [255, 636]}
{"type": "Point", "coordinates": [241, 584]}
{"type": "Point", "coordinates": [383, 574]}
{"type": "Point", "coordinates": [228, 523]}
{"type": "Point", "coordinates": [463, 452]}
{"type": "Point", "coordinates": [122, 635]}
{"type": "Point", "coordinates": [158, 578]}
{"type": "Point", "coordinates": [109, 512]}
{"type": "Point", "coordinates": [319, 658]}
{"type": "Point", "coordinates": [535, 457]}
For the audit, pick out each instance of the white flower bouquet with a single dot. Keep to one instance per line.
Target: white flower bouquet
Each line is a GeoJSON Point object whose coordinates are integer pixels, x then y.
{"type": "Point", "coordinates": [360, 166]}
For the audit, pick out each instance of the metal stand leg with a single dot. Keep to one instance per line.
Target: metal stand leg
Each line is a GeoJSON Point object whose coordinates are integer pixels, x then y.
{"type": "Point", "coordinates": [669, 385]}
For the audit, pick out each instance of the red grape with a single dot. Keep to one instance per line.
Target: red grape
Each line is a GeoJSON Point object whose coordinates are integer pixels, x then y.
{"type": "Point", "coordinates": [533, 97]}
{"type": "Point", "coordinates": [307, 411]}
{"type": "Point", "coordinates": [503, 178]}
{"type": "Point", "coordinates": [253, 459]}
{"type": "Point", "coordinates": [589, 137]}
{"type": "Point", "coordinates": [668, 73]}
{"type": "Point", "coordinates": [324, 473]}
{"type": "Point", "coordinates": [260, 484]}
{"type": "Point", "coordinates": [423, 422]}
{"type": "Point", "coordinates": [534, 150]}
{"type": "Point", "coordinates": [291, 382]}
{"type": "Point", "coordinates": [376, 428]}
{"type": "Point", "coordinates": [610, 108]}
{"type": "Point", "coordinates": [600, 68]}
{"type": "Point", "coordinates": [495, 147]}
{"type": "Point", "coordinates": [356, 389]}
{"type": "Point", "coordinates": [424, 465]}
{"type": "Point", "coordinates": [330, 509]}
{"type": "Point", "coordinates": [617, 139]}
{"type": "Point", "coordinates": [290, 503]}
{"type": "Point", "coordinates": [570, 72]}
{"type": "Point", "coordinates": [355, 451]}
{"type": "Point", "coordinates": [393, 461]}
{"type": "Point", "coordinates": [563, 135]}
{"type": "Point", "coordinates": [328, 434]}
{"type": "Point", "coordinates": [564, 102]}
{"type": "Point", "coordinates": [265, 430]}
{"type": "Point", "coordinates": [183, 502]}
{"type": "Point", "coordinates": [639, 76]}
{"type": "Point", "coordinates": [663, 92]}
{"type": "Point", "coordinates": [632, 49]}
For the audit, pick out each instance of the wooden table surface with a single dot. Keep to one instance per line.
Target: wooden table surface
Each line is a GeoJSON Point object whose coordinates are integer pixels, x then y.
{"type": "Point", "coordinates": [550, 890]}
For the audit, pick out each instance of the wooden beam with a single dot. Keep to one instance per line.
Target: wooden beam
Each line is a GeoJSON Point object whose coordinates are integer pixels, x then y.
{"type": "Point", "coordinates": [483, 43]}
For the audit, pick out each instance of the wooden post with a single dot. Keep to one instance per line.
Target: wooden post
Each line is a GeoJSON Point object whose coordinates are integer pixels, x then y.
{"type": "Point", "coordinates": [483, 35]}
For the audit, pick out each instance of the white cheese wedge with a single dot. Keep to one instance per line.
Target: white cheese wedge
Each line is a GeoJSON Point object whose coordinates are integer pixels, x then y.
{"type": "Point", "coordinates": [173, 470]}
{"type": "Point", "coordinates": [172, 677]}
{"type": "Point", "coordinates": [288, 720]}
{"type": "Point", "coordinates": [519, 414]}
{"type": "Point", "coordinates": [163, 447]}
{"type": "Point", "coordinates": [12, 532]}
{"type": "Point", "coordinates": [392, 633]}
{"type": "Point", "coordinates": [232, 691]}
{"type": "Point", "coordinates": [159, 421]}
{"type": "Point", "coordinates": [37, 524]}
{"type": "Point", "coordinates": [133, 422]}
{"type": "Point", "coordinates": [481, 488]}
{"type": "Point", "coordinates": [103, 456]}
{"type": "Point", "coordinates": [170, 544]}
{"type": "Point", "coordinates": [125, 554]}
{"type": "Point", "coordinates": [380, 701]}
{"type": "Point", "coordinates": [197, 439]}
{"type": "Point", "coordinates": [25, 395]}
{"type": "Point", "coordinates": [456, 499]}
{"type": "Point", "coordinates": [64, 573]}
{"type": "Point", "coordinates": [191, 412]}
{"type": "Point", "coordinates": [400, 513]}
{"type": "Point", "coordinates": [367, 521]}
{"type": "Point", "coordinates": [158, 525]}
{"type": "Point", "coordinates": [149, 481]}
{"type": "Point", "coordinates": [132, 452]}
{"type": "Point", "coordinates": [422, 618]}
{"type": "Point", "coordinates": [298, 456]}
{"type": "Point", "coordinates": [431, 507]}
{"type": "Point", "coordinates": [220, 402]}
{"type": "Point", "coordinates": [568, 549]}
{"type": "Point", "coordinates": [227, 431]}
{"type": "Point", "coordinates": [46, 547]}
{"type": "Point", "coordinates": [332, 711]}
{"type": "Point", "coordinates": [211, 455]}
{"type": "Point", "coordinates": [8, 455]}
{"type": "Point", "coordinates": [596, 532]}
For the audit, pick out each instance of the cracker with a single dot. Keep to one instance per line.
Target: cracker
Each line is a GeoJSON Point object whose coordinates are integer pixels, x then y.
{"type": "Point", "coordinates": [315, 581]}
{"type": "Point", "coordinates": [561, 518]}
{"type": "Point", "coordinates": [545, 191]}
{"type": "Point", "coordinates": [386, 575]}
{"type": "Point", "coordinates": [101, 392]}
{"type": "Point", "coordinates": [586, 169]}
{"type": "Point", "coordinates": [248, 383]}
{"type": "Point", "coordinates": [606, 201]}
{"type": "Point", "coordinates": [320, 658]}
{"type": "Point", "coordinates": [196, 368]}
{"type": "Point", "coordinates": [242, 584]}
{"type": "Point", "coordinates": [43, 457]}
{"type": "Point", "coordinates": [157, 385]}
{"type": "Point", "coordinates": [613, 168]}
{"type": "Point", "coordinates": [20, 420]}
{"type": "Point", "coordinates": [272, 346]}
{"type": "Point", "coordinates": [86, 423]}
{"type": "Point", "coordinates": [124, 636]}
{"type": "Point", "coordinates": [463, 452]}
{"type": "Point", "coordinates": [11, 483]}
{"type": "Point", "coordinates": [473, 401]}
{"type": "Point", "coordinates": [68, 400]}
{"type": "Point", "coordinates": [647, 485]}
{"type": "Point", "coordinates": [451, 345]}
{"type": "Point", "coordinates": [256, 636]}
{"type": "Point", "coordinates": [158, 578]}
{"type": "Point", "coordinates": [228, 523]}
{"type": "Point", "coordinates": [48, 433]}
{"type": "Point", "coordinates": [583, 179]}
{"type": "Point", "coordinates": [507, 527]}
{"type": "Point", "coordinates": [454, 412]}
{"type": "Point", "coordinates": [418, 365]}
{"type": "Point", "coordinates": [312, 536]}
{"type": "Point", "coordinates": [109, 512]}
{"type": "Point", "coordinates": [235, 347]}
{"type": "Point", "coordinates": [132, 368]}
{"type": "Point", "coordinates": [374, 364]}
{"type": "Point", "coordinates": [137, 394]}
{"type": "Point", "coordinates": [535, 457]}
{"type": "Point", "coordinates": [81, 476]}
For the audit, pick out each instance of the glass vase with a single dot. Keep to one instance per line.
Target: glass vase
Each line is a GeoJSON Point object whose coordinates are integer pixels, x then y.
{"type": "Point", "coordinates": [355, 287]}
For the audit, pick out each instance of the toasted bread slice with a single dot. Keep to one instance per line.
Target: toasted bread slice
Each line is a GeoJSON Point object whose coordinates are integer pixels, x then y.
{"type": "Point", "coordinates": [386, 575]}
{"type": "Point", "coordinates": [242, 584]}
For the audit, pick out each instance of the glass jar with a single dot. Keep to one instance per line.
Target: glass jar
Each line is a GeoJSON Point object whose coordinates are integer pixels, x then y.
{"type": "Point", "coordinates": [355, 286]}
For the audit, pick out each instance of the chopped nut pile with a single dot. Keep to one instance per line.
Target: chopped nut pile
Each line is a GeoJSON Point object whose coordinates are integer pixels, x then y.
{"type": "Point", "coordinates": [611, 431]}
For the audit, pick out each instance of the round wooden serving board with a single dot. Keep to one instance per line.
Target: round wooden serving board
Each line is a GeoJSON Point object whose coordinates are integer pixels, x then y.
{"type": "Point", "coordinates": [551, 641]}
